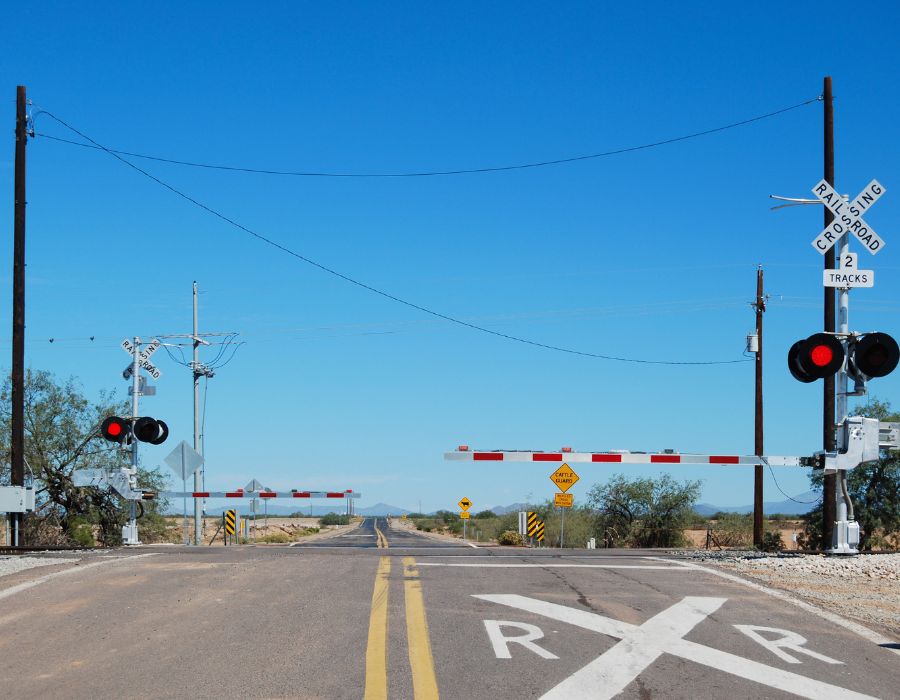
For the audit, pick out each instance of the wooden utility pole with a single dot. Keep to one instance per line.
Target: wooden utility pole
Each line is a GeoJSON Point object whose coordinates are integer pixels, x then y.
{"type": "Point", "coordinates": [828, 437]}
{"type": "Point", "coordinates": [760, 307]}
{"type": "Point", "coordinates": [17, 429]}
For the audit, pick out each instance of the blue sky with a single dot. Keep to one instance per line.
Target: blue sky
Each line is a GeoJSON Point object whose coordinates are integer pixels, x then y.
{"type": "Point", "coordinates": [649, 255]}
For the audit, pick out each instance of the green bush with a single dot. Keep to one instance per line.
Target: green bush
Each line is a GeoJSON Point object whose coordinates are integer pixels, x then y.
{"type": "Point", "coordinates": [334, 519]}
{"type": "Point", "coordinates": [275, 538]}
{"type": "Point", "coordinates": [732, 529]}
{"type": "Point", "coordinates": [510, 538]}
{"type": "Point", "coordinates": [426, 524]}
{"type": "Point", "coordinates": [82, 532]}
{"type": "Point", "coordinates": [771, 542]}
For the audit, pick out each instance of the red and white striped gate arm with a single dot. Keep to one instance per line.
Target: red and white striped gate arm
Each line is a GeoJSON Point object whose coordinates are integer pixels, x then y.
{"type": "Point", "coordinates": [240, 493]}
{"type": "Point", "coordinates": [567, 455]}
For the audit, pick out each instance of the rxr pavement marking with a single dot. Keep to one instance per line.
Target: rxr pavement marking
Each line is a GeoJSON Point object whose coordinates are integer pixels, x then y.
{"type": "Point", "coordinates": [641, 645]}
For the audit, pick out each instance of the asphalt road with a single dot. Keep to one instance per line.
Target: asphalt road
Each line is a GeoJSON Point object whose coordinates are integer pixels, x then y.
{"type": "Point", "coordinates": [375, 533]}
{"type": "Point", "coordinates": [416, 618]}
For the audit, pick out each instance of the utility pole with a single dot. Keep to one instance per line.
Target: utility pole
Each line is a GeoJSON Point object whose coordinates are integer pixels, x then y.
{"type": "Point", "coordinates": [198, 370]}
{"type": "Point", "coordinates": [760, 307]}
{"type": "Point", "coordinates": [828, 437]}
{"type": "Point", "coordinates": [130, 532]}
{"type": "Point", "coordinates": [17, 427]}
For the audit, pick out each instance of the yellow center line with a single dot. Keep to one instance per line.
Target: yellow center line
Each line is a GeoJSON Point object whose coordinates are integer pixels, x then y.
{"type": "Point", "coordinates": [420, 659]}
{"type": "Point", "coordinates": [376, 651]}
{"type": "Point", "coordinates": [381, 540]}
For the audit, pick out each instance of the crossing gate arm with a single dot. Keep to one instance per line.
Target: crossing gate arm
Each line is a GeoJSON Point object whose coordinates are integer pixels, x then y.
{"type": "Point", "coordinates": [625, 458]}
{"type": "Point", "coordinates": [254, 494]}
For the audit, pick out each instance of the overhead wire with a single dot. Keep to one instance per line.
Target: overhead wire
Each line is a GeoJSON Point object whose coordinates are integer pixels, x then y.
{"type": "Point", "coordinates": [427, 173]}
{"type": "Point", "coordinates": [392, 297]}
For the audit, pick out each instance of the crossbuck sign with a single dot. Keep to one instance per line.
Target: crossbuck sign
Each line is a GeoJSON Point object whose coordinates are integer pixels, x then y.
{"type": "Point", "coordinates": [848, 217]}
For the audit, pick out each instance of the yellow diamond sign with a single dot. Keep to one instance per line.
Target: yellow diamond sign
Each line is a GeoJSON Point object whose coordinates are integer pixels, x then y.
{"type": "Point", "coordinates": [564, 478]}
{"type": "Point", "coordinates": [465, 503]}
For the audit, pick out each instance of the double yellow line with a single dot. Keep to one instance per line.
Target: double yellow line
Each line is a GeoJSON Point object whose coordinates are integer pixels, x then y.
{"type": "Point", "coordinates": [381, 540]}
{"type": "Point", "coordinates": [421, 661]}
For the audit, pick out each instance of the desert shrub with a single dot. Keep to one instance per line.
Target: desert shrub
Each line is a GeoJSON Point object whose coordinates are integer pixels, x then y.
{"type": "Point", "coordinates": [426, 524]}
{"type": "Point", "coordinates": [82, 532]}
{"type": "Point", "coordinates": [275, 538]}
{"type": "Point", "coordinates": [334, 519]}
{"type": "Point", "coordinates": [732, 530]}
{"type": "Point", "coordinates": [510, 538]}
{"type": "Point", "coordinates": [771, 542]}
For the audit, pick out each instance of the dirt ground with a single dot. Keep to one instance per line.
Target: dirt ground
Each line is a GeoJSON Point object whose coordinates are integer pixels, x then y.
{"type": "Point", "coordinates": [256, 530]}
{"type": "Point", "coordinates": [697, 538]}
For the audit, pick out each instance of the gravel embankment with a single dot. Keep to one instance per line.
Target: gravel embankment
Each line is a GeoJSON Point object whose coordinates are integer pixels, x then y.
{"type": "Point", "coordinates": [15, 564]}
{"type": "Point", "coordinates": [865, 588]}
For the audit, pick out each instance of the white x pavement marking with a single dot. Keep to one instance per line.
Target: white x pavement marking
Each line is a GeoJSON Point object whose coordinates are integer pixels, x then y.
{"type": "Point", "coordinates": [640, 645]}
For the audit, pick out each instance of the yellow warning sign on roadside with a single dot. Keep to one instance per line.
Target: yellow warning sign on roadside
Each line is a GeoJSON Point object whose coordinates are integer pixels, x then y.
{"type": "Point", "coordinates": [564, 478]}
{"type": "Point", "coordinates": [464, 515]}
{"type": "Point", "coordinates": [563, 500]}
{"type": "Point", "coordinates": [465, 503]}
{"type": "Point", "coordinates": [229, 516]}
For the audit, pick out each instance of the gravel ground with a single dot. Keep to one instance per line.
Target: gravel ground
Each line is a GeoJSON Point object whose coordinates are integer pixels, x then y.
{"type": "Point", "coordinates": [865, 588]}
{"type": "Point", "coordinates": [15, 564]}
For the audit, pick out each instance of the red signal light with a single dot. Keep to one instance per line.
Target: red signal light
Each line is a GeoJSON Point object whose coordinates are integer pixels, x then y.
{"type": "Point", "coordinates": [818, 356]}
{"type": "Point", "coordinates": [821, 355]}
{"type": "Point", "coordinates": [115, 429]}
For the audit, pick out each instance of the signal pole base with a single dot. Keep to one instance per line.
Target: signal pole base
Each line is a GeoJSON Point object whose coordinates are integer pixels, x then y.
{"type": "Point", "coordinates": [845, 539]}
{"type": "Point", "coordinates": [130, 534]}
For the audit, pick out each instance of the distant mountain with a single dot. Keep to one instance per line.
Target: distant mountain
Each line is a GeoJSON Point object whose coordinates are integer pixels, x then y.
{"type": "Point", "coordinates": [382, 509]}
{"type": "Point", "coordinates": [503, 510]}
{"type": "Point", "coordinates": [788, 507]}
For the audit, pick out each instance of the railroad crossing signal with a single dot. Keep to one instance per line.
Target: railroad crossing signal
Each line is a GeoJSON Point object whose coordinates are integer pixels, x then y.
{"type": "Point", "coordinates": [848, 217]}
{"type": "Point", "coordinates": [464, 503]}
{"type": "Point", "coordinates": [143, 358]}
{"type": "Point", "coordinates": [821, 355]}
{"type": "Point", "coordinates": [848, 276]}
{"type": "Point", "coordinates": [564, 478]}
{"type": "Point", "coordinates": [150, 430]}
{"type": "Point", "coordinates": [872, 355]}
{"type": "Point", "coordinates": [145, 429]}
{"type": "Point", "coordinates": [115, 429]}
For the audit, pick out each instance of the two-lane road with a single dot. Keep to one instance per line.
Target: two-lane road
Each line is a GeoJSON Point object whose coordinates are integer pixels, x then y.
{"type": "Point", "coordinates": [417, 618]}
{"type": "Point", "coordinates": [378, 533]}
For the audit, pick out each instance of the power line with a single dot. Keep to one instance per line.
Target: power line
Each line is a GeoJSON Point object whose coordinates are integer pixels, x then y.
{"type": "Point", "coordinates": [367, 287]}
{"type": "Point", "coordinates": [432, 173]}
